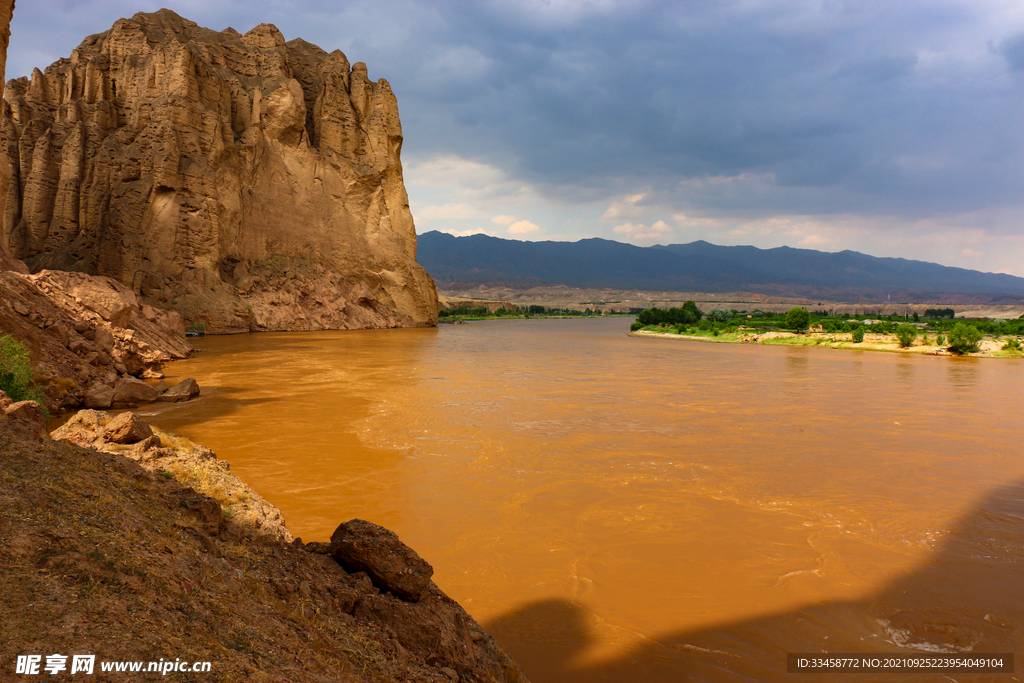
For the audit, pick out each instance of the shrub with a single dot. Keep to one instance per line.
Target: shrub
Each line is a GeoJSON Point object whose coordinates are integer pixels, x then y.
{"type": "Point", "coordinates": [798, 319]}
{"type": "Point", "coordinates": [16, 371]}
{"type": "Point", "coordinates": [940, 340]}
{"type": "Point", "coordinates": [1012, 344]}
{"type": "Point", "coordinates": [719, 315]}
{"type": "Point", "coordinates": [858, 335]}
{"type": "Point", "coordinates": [906, 334]}
{"type": "Point", "coordinates": [636, 326]}
{"type": "Point", "coordinates": [964, 338]}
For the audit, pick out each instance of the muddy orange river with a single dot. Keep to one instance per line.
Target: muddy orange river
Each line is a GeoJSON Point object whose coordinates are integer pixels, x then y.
{"type": "Point", "coordinates": [628, 510]}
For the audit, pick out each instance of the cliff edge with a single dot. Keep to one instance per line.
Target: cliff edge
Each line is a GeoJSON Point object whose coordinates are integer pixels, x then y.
{"type": "Point", "coordinates": [246, 182]}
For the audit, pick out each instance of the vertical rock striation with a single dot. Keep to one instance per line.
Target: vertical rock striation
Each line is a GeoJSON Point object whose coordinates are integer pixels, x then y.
{"type": "Point", "coordinates": [247, 182]}
{"type": "Point", "coordinates": [6, 12]}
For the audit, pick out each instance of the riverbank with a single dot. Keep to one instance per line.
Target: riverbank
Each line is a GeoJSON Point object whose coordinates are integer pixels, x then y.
{"type": "Point", "coordinates": [144, 547]}
{"type": "Point", "coordinates": [989, 348]}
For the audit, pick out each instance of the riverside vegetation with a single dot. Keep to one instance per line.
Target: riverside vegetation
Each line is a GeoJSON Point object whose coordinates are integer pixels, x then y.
{"type": "Point", "coordinates": [936, 333]}
{"type": "Point", "coordinates": [533, 311]}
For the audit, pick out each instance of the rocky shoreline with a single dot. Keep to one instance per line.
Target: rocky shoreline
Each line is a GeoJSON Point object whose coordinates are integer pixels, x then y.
{"type": "Point", "coordinates": [122, 540]}
{"type": "Point", "coordinates": [90, 340]}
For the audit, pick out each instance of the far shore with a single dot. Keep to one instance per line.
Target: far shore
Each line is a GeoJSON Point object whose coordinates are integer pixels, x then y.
{"type": "Point", "coordinates": [990, 348]}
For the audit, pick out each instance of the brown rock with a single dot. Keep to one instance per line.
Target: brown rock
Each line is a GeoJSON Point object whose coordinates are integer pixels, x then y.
{"type": "Point", "coordinates": [104, 340]}
{"type": "Point", "coordinates": [5, 401]}
{"type": "Point", "coordinates": [99, 396]}
{"type": "Point", "coordinates": [149, 443]}
{"type": "Point", "coordinates": [133, 391]}
{"type": "Point", "coordinates": [196, 168]}
{"type": "Point", "coordinates": [185, 390]}
{"type": "Point", "coordinates": [30, 412]}
{"type": "Point", "coordinates": [102, 296]}
{"type": "Point", "coordinates": [6, 262]}
{"type": "Point", "coordinates": [127, 428]}
{"type": "Point", "coordinates": [390, 564]}
{"type": "Point", "coordinates": [208, 510]}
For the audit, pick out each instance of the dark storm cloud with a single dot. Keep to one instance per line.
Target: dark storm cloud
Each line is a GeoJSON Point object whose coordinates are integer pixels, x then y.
{"type": "Point", "coordinates": [843, 106]}
{"type": "Point", "coordinates": [1012, 49]}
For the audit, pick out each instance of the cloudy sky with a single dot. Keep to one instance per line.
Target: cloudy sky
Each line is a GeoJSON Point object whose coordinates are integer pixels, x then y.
{"type": "Point", "coordinates": [891, 128]}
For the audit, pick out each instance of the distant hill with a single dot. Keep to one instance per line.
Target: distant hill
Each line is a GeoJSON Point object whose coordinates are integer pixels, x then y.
{"type": "Point", "coordinates": [704, 267]}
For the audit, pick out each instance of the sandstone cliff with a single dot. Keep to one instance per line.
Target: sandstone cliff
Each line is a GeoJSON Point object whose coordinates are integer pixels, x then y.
{"type": "Point", "coordinates": [6, 11]}
{"type": "Point", "coordinates": [246, 182]}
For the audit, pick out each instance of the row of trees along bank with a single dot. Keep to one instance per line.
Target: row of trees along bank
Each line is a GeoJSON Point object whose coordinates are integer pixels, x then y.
{"type": "Point", "coordinates": [960, 336]}
{"type": "Point", "coordinates": [482, 312]}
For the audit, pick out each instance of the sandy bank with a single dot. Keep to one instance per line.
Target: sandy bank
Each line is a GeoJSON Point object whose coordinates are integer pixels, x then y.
{"type": "Point", "coordinates": [836, 340]}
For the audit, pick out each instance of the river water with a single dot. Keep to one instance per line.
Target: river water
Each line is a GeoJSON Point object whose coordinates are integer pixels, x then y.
{"type": "Point", "coordinates": [625, 509]}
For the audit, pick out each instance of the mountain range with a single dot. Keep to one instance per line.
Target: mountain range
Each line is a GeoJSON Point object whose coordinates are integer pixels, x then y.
{"type": "Point", "coordinates": [458, 262]}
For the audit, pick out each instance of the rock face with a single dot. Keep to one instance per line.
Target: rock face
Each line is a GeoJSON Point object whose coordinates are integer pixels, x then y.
{"type": "Point", "coordinates": [391, 565]}
{"type": "Point", "coordinates": [246, 182]}
{"type": "Point", "coordinates": [6, 10]}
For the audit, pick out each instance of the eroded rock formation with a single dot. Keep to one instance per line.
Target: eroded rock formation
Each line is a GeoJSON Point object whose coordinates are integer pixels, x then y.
{"type": "Point", "coordinates": [247, 182]}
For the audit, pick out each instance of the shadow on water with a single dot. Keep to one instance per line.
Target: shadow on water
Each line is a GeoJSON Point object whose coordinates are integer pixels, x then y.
{"type": "Point", "coordinates": [212, 405]}
{"type": "Point", "coordinates": [967, 596]}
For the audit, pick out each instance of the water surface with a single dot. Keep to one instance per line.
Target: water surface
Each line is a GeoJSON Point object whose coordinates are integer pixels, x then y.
{"type": "Point", "coordinates": [624, 509]}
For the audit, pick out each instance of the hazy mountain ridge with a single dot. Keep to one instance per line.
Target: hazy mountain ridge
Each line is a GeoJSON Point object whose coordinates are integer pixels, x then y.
{"type": "Point", "coordinates": [702, 266]}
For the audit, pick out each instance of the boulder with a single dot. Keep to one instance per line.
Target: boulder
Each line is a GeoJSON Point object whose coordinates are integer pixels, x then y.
{"type": "Point", "coordinates": [104, 340]}
{"type": "Point", "coordinates": [130, 391]}
{"type": "Point", "coordinates": [99, 396]}
{"type": "Point", "coordinates": [5, 401]}
{"type": "Point", "coordinates": [127, 428]}
{"type": "Point", "coordinates": [30, 412]}
{"type": "Point", "coordinates": [185, 390]}
{"type": "Point", "coordinates": [392, 566]}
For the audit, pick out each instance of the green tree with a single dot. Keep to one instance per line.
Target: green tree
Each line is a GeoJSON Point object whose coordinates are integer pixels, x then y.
{"type": "Point", "coordinates": [858, 335]}
{"type": "Point", "coordinates": [16, 371]}
{"type": "Point", "coordinates": [692, 309]}
{"type": "Point", "coordinates": [906, 334]}
{"type": "Point", "coordinates": [798, 319]}
{"type": "Point", "coordinates": [964, 338]}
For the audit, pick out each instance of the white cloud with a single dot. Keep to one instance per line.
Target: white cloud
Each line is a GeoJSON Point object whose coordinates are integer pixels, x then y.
{"type": "Point", "coordinates": [466, 233]}
{"type": "Point", "coordinates": [643, 233]}
{"type": "Point", "coordinates": [504, 220]}
{"type": "Point", "coordinates": [523, 228]}
{"type": "Point", "coordinates": [449, 170]}
{"type": "Point", "coordinates": [626, 208]}
{"type": "Point", "coordinates": [447, 211]}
